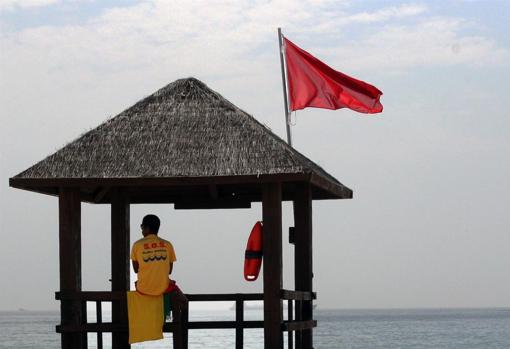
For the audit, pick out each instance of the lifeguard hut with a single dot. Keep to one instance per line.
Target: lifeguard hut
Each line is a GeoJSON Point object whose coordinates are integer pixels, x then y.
{"type": "Point", "coordinates": [188, 146]}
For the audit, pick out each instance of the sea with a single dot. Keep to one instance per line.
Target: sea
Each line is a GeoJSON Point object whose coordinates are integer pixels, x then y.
{"type": "Point", "coordinates": [350, 329]}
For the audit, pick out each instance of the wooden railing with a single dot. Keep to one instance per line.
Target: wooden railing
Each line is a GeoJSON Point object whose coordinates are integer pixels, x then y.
{"type": "Point", "coordinates": [294, 298]}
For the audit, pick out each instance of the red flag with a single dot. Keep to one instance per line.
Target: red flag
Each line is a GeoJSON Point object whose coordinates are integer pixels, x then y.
{"type": "Point", "coordinates": [314, 84]}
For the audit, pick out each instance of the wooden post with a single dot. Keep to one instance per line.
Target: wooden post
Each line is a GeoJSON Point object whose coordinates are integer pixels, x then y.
{"type": "Point", "coordinates": [99, 320]}
{"type": "Point", "coordinates": [290, 316]}
{"type": "Point", "coordinates": [272, 245]}
{"type": "Point", "coordinates": [180, 315]}
{"type": "Point", "coordinates": [239, 323]}
{"type": "Point", "coordinates": [71, 311]}
{"type": "Point", "coordinates": [120, 263]}
{"type": "Point", "coordinates": [303, 271]}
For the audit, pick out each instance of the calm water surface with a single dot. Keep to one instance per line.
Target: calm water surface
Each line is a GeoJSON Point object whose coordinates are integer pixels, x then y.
{"type": "Point", "coordinates": [452, 328]}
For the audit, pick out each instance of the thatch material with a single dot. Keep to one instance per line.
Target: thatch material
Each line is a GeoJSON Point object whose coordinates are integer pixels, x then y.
{"type": "Point", "coordinates": [183, 130]}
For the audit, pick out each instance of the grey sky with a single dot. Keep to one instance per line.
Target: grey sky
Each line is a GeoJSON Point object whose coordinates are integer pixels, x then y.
{"type": "Point", "coordinates": [428, 225]}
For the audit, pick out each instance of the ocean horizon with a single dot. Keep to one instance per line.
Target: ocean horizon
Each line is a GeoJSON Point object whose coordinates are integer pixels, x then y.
{"type": "Point", "coordinates": [337, 328]}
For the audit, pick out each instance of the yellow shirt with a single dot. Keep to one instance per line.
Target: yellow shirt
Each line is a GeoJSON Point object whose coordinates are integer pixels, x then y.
{"type": "Point", "coordinates": [154, 256]}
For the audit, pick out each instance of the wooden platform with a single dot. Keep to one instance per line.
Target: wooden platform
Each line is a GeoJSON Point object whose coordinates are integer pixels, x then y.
{"type": "Point", "coordinates": [295, 300]}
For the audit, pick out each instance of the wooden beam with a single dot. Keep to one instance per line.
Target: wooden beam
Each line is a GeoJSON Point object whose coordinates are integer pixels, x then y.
{"type": "Point", "coordinates": [299, 325]}
{"type": "Point", "coordinates": [107, 296]}
{"type": "Point", "coordinates": [213, 191]}
{"type": "Point", "coordinates": [335, 188]}
{"type": "Point", "coordinates": [303, 266]}
{"type": "Point", "coordinates": [71, 311]}
{"type": "Point", "coordinates": [92, 183]}
{"type": "Point", "coordinates": [298, 295]}
{"type": "Point", "coordinates": [107, 327]}
{"type": "Point", "coordinates": [120, 262]}
{"type": "Point", "coordinates": [225, 297]}
{"type": "Point", "coordinates": [100, 194]}
{"type": "Point", "coordinates": [292, 234]}
{"type": "Point", "coordinates": [323, 188]}
{"type": "Point", "coordinates": [272, 246]}
{"type": "Point", "coordinates": [208, 205]}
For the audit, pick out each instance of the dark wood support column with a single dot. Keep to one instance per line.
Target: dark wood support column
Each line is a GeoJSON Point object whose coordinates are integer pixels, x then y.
{"type": "Point", "coordinates": [71, 311]}
{"type": "Point", "coordinates": [273, 282]}
{"type": "Point", "coordinates": [303, 272]}
{"type": "Point", "coordinates": [120, 251]}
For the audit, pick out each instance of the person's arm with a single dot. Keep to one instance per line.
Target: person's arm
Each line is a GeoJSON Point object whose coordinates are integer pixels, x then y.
{"type": "Point", "coordinates": [171, 256]}
{"type": "Point", "coordinates": [134, 260]}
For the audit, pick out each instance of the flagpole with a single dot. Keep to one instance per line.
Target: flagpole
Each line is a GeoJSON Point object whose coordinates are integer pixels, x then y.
{"type": "Point", "coordinates": [284, 82]}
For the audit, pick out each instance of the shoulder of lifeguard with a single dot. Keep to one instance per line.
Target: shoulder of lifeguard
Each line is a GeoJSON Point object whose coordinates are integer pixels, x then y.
{"type": "Point", "coordinates": [166, 241]}
{"type": "Point", "coordinates": [139, 241]}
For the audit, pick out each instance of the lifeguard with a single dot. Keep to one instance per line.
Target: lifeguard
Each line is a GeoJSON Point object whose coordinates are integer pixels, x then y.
{"type": "Point", "coordinates": [153, 259]}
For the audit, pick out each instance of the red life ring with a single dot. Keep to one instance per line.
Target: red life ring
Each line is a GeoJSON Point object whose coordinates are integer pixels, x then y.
{"type": "Point", "coordinates": [253, 254]}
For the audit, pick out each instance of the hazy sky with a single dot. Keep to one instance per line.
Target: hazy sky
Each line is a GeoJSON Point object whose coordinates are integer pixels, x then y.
{"type": "Point", "coordinates": [429, 222]}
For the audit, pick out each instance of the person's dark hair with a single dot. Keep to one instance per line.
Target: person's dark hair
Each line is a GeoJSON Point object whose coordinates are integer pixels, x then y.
{"type": "Point", "coordinates": [152, 222]}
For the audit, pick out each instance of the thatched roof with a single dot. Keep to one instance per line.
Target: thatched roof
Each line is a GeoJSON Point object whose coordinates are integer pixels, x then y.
{"type": "Point", "coordinates": [184, 130]}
